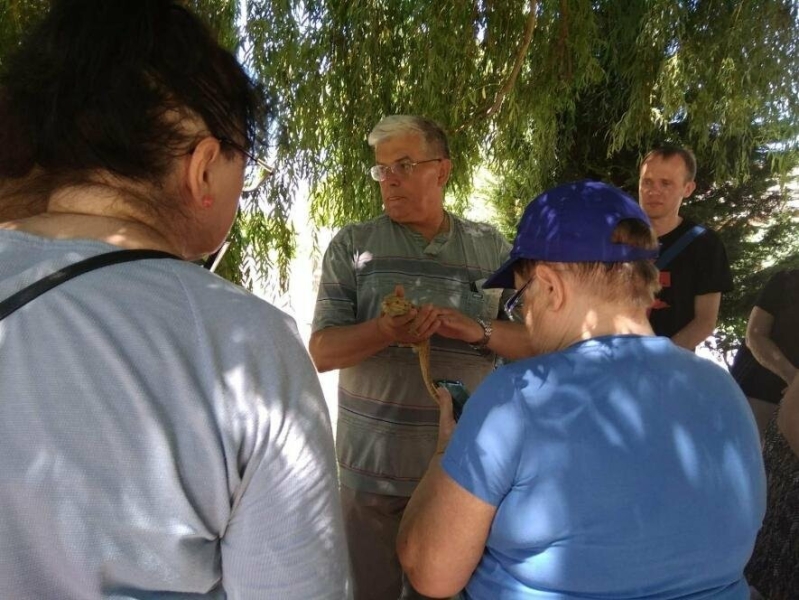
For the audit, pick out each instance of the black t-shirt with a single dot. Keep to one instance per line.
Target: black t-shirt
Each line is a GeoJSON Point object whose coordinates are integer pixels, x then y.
{"type": "Point", "coordinates": [700, 268]}
{"type": "Point", "coordinates": [780, 299]}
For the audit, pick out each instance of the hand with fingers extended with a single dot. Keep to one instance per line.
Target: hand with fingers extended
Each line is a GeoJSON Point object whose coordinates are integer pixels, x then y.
{"type": "Point", "coordinates": [426, 321]}
{"type": "Point", "coordinates": [455, 325]}
{"type": "Point", "coordinates": [397, 329]}
{"type": "Point", "coordinates": [403, 322]}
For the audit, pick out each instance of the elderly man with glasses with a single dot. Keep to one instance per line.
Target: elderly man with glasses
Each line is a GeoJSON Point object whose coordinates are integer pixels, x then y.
{"type": "Point", "coordinates": [387, 423]}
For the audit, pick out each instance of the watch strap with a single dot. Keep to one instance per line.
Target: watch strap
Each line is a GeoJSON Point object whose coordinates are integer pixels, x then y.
{"type": "Point", "coordinates": [488, 329]}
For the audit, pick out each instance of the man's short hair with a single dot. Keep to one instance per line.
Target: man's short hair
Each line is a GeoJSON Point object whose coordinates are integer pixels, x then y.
{"type": "Point", "coordinates": [668, 151]}
{"type": "Point", "coordinates": [394, 125]}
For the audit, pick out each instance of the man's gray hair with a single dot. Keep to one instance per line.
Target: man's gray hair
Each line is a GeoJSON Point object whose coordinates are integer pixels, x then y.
{"type": "Point", "coordinates": [394, 125]}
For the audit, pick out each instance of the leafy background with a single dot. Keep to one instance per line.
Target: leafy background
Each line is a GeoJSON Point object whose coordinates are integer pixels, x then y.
{"type": "Point", "coordinates": [533, 93]}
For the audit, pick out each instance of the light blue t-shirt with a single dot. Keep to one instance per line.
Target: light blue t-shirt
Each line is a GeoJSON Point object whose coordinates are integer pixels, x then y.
{"type": "Point", "coordinates": [163, 435]}
{"type": "Point", "coordinates": [621, 467]}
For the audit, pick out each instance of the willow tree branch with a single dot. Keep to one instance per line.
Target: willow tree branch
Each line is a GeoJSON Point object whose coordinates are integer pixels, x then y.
{"type": "Point", "coordinates": [564, 37]}
{"type": "Point", "coordinates": [489, 109]}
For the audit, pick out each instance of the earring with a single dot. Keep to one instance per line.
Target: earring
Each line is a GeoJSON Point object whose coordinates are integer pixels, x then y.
{"type": "Point", "coordinates": [207, 200]}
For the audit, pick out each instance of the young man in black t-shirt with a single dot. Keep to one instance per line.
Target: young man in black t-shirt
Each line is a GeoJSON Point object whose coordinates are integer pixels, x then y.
{"type": "Point", "coordinates": [687, 308]}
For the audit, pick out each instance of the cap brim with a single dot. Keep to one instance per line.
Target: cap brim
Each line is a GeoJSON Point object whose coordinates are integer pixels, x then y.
{"type": "Point", "coordinates": [503, 277]}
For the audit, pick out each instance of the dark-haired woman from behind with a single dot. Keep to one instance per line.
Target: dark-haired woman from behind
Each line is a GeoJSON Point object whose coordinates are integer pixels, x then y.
{"type": "Point", "coordinates": [162, 432]}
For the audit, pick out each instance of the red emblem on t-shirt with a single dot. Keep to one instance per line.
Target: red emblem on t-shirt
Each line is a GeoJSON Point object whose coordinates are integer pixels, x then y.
{"type": "Point", "coordinates": [665, 281]}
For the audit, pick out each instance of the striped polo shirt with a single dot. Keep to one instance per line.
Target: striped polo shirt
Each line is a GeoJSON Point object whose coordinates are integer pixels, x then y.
{"type": "Point", "coordinates": [387, 423]}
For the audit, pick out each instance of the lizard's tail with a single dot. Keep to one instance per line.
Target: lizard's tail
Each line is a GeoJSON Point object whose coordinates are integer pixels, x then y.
{"type": "Point", "coordinates": [424, 362]}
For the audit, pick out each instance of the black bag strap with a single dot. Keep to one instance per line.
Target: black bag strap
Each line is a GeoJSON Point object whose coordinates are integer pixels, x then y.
{"type": "Point", "coordinates": [36, 289]}
{"type": "Point", "coordinates": [685, 239]}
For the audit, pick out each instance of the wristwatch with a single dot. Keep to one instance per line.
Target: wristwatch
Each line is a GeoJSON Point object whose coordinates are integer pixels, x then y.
{"type": "Point", "coordinates": [488, 329]}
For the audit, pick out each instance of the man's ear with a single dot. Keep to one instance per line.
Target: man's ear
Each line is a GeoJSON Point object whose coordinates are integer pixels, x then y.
{"type": "Point", "coordinates": [552, 286]}
{"type": "Point", "coordinates": [198, 172]}
{"type": "Point", "coordinates": [689, 189]}
{"type": "Point", "coordinates": [444, 170]}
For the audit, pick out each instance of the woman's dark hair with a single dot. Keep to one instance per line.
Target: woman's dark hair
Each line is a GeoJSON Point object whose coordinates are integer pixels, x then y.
{"type": "Point", "coordinates": [108, 85]}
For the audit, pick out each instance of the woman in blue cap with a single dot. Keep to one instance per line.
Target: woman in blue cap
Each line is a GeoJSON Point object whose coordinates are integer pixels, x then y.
{"type": "Point", "coordinates": [612, 464]}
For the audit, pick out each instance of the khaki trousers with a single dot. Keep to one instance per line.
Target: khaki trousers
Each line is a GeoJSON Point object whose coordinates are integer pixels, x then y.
{"type": "Point", "coordinates": [371, 522]}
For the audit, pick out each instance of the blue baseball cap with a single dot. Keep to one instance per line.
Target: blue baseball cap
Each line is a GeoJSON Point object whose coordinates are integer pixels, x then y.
{"type": "Point", "coordinates": [571, 223]}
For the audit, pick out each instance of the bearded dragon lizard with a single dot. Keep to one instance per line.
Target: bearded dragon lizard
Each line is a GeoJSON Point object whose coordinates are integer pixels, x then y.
{"type": "Point", "coordinates": [395, 306]}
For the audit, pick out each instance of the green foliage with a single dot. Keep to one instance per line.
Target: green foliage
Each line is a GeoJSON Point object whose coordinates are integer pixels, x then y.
{"type": "Point", "coordinates": [537, 92]}
{"type": "Point", "coordinates": [16, 16]}
{"type": "Point", "coordinates": [760, 232]}
{"type": "Point", "coordinates": [221, 16]}
{"type": "Point", "coordinates": [718, 77]}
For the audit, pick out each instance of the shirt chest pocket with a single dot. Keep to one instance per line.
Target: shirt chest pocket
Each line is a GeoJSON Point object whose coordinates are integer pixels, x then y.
{"type": "Point", "coordinates": [482, 303]}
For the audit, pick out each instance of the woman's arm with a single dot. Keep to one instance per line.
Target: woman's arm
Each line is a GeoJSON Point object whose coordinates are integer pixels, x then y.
{"type": "Point", "coordinates": [443, 534]}
{"type": "Point", "coordinates": [444, 528]}
{"type": "Point", "coordinates": [758, 339]}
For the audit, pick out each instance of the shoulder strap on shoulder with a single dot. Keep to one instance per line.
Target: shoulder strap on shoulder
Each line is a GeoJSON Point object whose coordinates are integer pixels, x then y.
{"type": "Point", "coordinates": [678, 246]}
{"type": "Point", "coordinates": [36, 289]}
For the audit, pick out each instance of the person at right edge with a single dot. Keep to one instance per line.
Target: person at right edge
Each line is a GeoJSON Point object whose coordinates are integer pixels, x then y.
{"type": "Point", "coordinates": [694, 270]}
{"type": "Point", "coordinates": [773, 569]}
{"type": "Point", "coordinates": [768, 360]}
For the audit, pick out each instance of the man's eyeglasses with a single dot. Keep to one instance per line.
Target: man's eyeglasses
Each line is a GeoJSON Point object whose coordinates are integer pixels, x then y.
{"type": "Point", "coordinates": [401, 168]}
{"type": "Point", "coordinates": [256, 171]}
{"type": "Point", "coordinates": [513, 307]}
